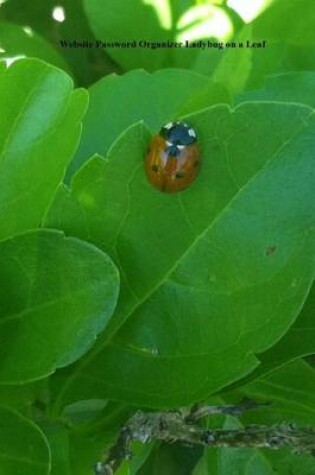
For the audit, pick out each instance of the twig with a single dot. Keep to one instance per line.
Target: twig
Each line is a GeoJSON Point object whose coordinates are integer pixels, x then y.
{"type": "Point", "coordinates": [178, 427]}
{"type": "Point", "coordinates": [117, 454]}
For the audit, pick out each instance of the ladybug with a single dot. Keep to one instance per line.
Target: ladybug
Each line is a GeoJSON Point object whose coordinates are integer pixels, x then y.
{"type": "Point", "coordinates": [172, 161]}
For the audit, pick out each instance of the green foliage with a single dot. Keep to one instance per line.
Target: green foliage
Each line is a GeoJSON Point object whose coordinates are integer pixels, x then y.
{"type": "Point", "coordinates": [38, 124]}
{"type": "Point", "coordinates": [222, 229]}
{"type": "Point", "coordinates": [288, 87]}
{"type": "Point", "coordinates": [24, 448]}
{"type": "Point", "coordinates": [49, 316]}
{"type": "Point", "coordinates": [115, 296]}
{"type": "Point", "coordinates": [113, 22]}
{"type": "Point", "coordinates": [287, 26]}
{"type": "Point", "coordinates": [18, 41]}
{"type": "Point", "coordinates": [299, 341]}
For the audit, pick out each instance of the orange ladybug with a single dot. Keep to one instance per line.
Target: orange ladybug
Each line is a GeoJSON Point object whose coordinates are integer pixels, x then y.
{"type": "Point", "coordinates": [172, 162]}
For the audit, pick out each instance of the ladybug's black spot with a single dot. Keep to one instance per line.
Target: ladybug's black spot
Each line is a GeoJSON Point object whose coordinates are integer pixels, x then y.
{"type": "Point", "coordinates": [155, 168]}
{"type": "Point", "coordinates": [179, 175]}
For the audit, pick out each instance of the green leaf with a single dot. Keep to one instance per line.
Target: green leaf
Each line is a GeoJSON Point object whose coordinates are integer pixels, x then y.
{"type": "Point", "coordinates": [299, 341]}
{"type": "Point", "coordinates": [84, 412]}
{"type": "Point", "coordinates": [58, 438]}
{"type": "Point", "coordinates": [116, 102]}
{"type": "Point", "coordinates": [140, 455]}
{"type": "Point", "coordinates": [296, 87]}
{"type": "Point", "coordinates": [233, 251]}
{"type": "Point", "coordinates": [235, 66]}
{"type": "Point", "coordinates": [39, 134]}
{"type": "Point", "coordinates": [76, 445]}
{"type": "Point", "coordinates": [288, 21]}
{"type": "Point", "coordinates": [23, 446]}
{"type": "Point", "coordinates": [234, 461]}
{"type": "Point", "coordinates": [170, 460]}
{"type": "Point", "coordinates": [242, 461]}
{"type": "Point", "coordinates": [284, 463]}
{"type": "Point", "coordinates": [22, 41]}
{"type": "Point", "coordinates": [291, 389]}
{"type": "Point", "coordinates": [156, 38]}
{"type": "Point", "coordinates": [71, 452]}
{"type": "Point", "coordinates": [21, 397]}
{"type": "Point", "coordinates": [112, 22]}
{"type": "Point", "coordinates": [56, 295]}
{"type": "Point", "coordinates": [287, 29]}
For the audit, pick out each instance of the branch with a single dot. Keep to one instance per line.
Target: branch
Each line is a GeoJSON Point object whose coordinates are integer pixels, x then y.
{"type": "Point", "coordinates": [178, 427]}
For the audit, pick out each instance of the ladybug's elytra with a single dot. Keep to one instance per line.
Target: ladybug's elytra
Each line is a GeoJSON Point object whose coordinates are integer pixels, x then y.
{"type": "Point", "coordinates": [173, 158]}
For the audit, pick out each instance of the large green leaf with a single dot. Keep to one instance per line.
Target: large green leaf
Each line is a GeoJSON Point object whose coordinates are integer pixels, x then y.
{"type": "Point", "coordinates": [23, 447]}
{"type": "Point", "coordinates": [117, 102]}
{"type": "Point", "coordinates": [235, 251]}
{"type": "Point", "coordinates": [56, 295]}
{"type": "Point", "coordinates": [39, 133]}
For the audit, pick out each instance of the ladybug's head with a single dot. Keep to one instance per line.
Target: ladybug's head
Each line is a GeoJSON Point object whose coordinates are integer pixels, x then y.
{"type": "Point", "coordinates": [178, 133]}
